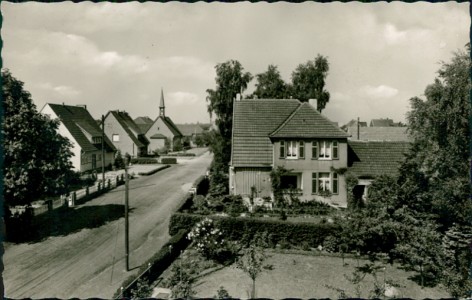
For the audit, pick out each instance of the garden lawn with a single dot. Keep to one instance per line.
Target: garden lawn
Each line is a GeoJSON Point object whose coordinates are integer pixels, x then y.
{"type": "Point", "coordinates": [306, 276]}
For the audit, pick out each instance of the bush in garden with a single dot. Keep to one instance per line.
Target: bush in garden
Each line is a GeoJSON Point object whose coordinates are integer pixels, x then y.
{"type": "Point", "coordinates": [142, 290]}
{"type": "Point", "coordinates": [208, 240]}
{"type": "Point", "coordinates": [143, 160]}
{"type": "Point", "coordinates": [330, 244]}
{"type": "Point", "coordinates": [222, 293]}
{"type": "Point", "coordinates": [181, 281]}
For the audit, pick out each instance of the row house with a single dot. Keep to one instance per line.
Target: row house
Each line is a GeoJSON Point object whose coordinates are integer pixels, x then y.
{"type": "Point", "coordinates": [85, 135]}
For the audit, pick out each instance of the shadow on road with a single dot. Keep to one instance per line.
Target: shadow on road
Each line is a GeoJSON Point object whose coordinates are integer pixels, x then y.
{"type": "Point", "coordinates": [132, 188]}
{"type": "Point", "coordinates": [64, 221]}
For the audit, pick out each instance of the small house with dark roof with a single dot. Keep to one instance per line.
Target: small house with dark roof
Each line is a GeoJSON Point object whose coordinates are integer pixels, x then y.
{"type": "Point", "coordinates": [125, 135]}
{"type": "Point", "coordinates": [381, 122]}
{"type": "Point", "coordinates": [370, 159]}
{"type": "Point", "coordinates": [77, 125]}
{"type": "Point", "coordinates": [162, 129]}
{"type": "Point", "coordinates": [290, 134]}
{"type": "Point", "coordinates": [143, 123]}
{"type": "Point", "coordinates": [191, 131]}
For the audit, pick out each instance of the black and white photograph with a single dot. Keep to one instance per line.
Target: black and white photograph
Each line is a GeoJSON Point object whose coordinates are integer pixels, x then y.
{"type": "Point", "coordinates": [236, 150]}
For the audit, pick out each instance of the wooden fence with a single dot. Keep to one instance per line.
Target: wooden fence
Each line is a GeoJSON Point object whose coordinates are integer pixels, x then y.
{"type": "Point", "coordinates": [75, 197]}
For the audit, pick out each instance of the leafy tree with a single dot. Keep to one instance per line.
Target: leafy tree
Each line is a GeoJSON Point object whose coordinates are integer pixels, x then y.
{"type": "Point", "coordinates": [36, 158]}
{"type": "Point", "coordinates": [308, 81]}
{"type": "Point", "coordinates": [119, 161]}
{"type": "Point", "coordinates": [435, 176]}
{"type": "Point", "coordinates": [270, 85]}
{"type": "Point", "coordinates": [230, 80]}
{"type": "Point", "coordinates": [252, 263]}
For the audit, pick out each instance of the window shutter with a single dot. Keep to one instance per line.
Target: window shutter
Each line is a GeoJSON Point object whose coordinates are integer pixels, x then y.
{"type": "Point", "coordinates": [335, 149]}
{"type": "Point", "coordinates": [301, 149]}
{"type": "Point", "coordinates": [335, 183]}
{"type": "Point", "coordinates": [282, 149]}
{"type": "Point", "coordinates": [314, 150]}
{"type": "Point", "coordinates": [314, 183]}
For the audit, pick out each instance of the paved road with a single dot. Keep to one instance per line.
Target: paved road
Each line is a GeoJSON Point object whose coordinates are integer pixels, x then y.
{"type": "Point", "coordinates": [90, 262]}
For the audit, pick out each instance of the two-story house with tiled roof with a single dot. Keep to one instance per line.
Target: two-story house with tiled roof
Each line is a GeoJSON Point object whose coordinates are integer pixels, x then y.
{"type": "Point", "coordinates": [161, 129]}
{"type": "Point", "coordinates": [83, 132]}
{"type": "Point", "coordinates": [125, 135]}
{"type": "Point", "coordinates": [294, 135]}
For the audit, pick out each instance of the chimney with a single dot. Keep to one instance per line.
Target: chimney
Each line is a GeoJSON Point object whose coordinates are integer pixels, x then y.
{"type": "Point", "coordinates": [314, 103]}
{"type": "Point", "coordinates": [82, 105]}
{"type": "Point", "coordinates": [238, 97]}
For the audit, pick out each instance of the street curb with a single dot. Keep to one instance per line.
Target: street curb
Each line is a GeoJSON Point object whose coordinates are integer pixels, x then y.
{"type": "Point", "coordinates": [153, 171]}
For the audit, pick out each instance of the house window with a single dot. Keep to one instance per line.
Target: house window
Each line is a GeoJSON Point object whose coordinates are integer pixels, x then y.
{"type": "Point", "coordinates": [301, 149]}
{"type": "Point", "coordinates": [335, 150]}
{"type": "Point", "coordinates": [115, 137]}
{"type": "Point", "coordinates": [289, 182]}
{"type": "Point", "coordinates": [324, 182]}
{"type": "Point", "coordinates": [325, 150]}
{"type": "Point", "coordinates": [291, 149]}
{"type": "Point", "coordinates": [282, 149]}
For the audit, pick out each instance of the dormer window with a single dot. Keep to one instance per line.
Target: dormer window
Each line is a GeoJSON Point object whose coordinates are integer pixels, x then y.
{"type": "Point", "coordinates": [97, 140]}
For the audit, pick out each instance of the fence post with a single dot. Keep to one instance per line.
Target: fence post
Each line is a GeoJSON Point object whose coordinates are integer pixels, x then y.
{"type": "Point", "coordinates": [99, 187]}
{"type": "Point", "coordinates": [49, 204]}
{"type": "Point", "coordinates": [86, 191]}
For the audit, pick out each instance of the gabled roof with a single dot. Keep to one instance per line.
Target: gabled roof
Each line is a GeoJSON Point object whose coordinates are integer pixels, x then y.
{"type": "Point", "coordinates": [253, 121]}
{"type": "Point", "coordinates": [379, 133]}
{"type": "Point", "coordinates": [307, 122]}
{"type": "Point", "coordinates": [190, 129]}
{"type": "Point", "coordinates": [133, 131]}
{"type": "Point", "coordinates": [144, 127]}
{"type": "Point", "coordinates": [81, 126]}
{"type": "Point", "coordinates": [143, 120]}
{"type": "Point", "coordinates": [172, 127]}
{"type": "Point", "coordinates": [381, 122]}
{"type": "Point", "coordinates": [371, 159]}
{"type": "Point", "coordinates": [354, 123]}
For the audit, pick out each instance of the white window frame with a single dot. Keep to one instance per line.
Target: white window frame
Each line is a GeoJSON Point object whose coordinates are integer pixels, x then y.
{"type": "Point", "coordinates": [115, 137]}
{"type": "Point", "coordinates": [326, 181]}
{"type": "Point", "coordinates": [291, 149]}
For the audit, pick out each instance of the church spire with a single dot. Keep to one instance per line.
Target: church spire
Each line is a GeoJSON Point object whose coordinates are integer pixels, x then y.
{"type": "Point", "coordinates": [162, 107]}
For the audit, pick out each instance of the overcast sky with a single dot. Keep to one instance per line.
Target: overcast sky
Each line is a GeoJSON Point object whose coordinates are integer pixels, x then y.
{"type": "Point", "coordinates": [119, 56]}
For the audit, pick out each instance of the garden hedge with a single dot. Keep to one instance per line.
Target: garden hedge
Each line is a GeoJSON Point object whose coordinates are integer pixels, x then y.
{"type": "Point", "coordinates": [168, 160]}
{"type": "Point", "coordinates": [143, 160]}
{"type": "Point", "coordinates": [244, 228]}
{"type": "Point", "coordinates": [159, 262]}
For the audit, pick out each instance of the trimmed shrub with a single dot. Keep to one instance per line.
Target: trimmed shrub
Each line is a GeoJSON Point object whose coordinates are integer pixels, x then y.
{"type": "Point", "coordinates": [183, 154]}
{"type": "Point", "coordinates": [143, 161]}
{"type": "Point", "coordinates": [168, 160]}
{"type": "Point", "coordinates": [238, 229]}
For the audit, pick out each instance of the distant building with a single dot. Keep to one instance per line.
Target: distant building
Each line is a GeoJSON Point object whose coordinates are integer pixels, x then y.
{"type": "Point", "coordinates": [125, 135]}
{"type": "Point", "coordinates": [162, 129]}
{"type": "Point", "coordinates": [84, 133]}
{"type": "Point", "coordinates": [191, 131]}
{"type": "Point", "coordinates": [378, 133]}
{"type": "Point", "coordinates": [381, 122]}
{"type": "Point", "coordinates": [143, 123]}
{"type": "Point", "coordinates": [353, 123]}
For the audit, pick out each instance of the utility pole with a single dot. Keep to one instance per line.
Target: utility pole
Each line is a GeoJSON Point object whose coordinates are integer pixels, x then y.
{"type": "Point", "coordinates": [126, 215]}
{"type": "Point", "coordinates": [103, 151]}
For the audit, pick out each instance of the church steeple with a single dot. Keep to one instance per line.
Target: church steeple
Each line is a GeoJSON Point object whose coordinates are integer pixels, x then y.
{"type": "Point", "coordinates": [162, 107]}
